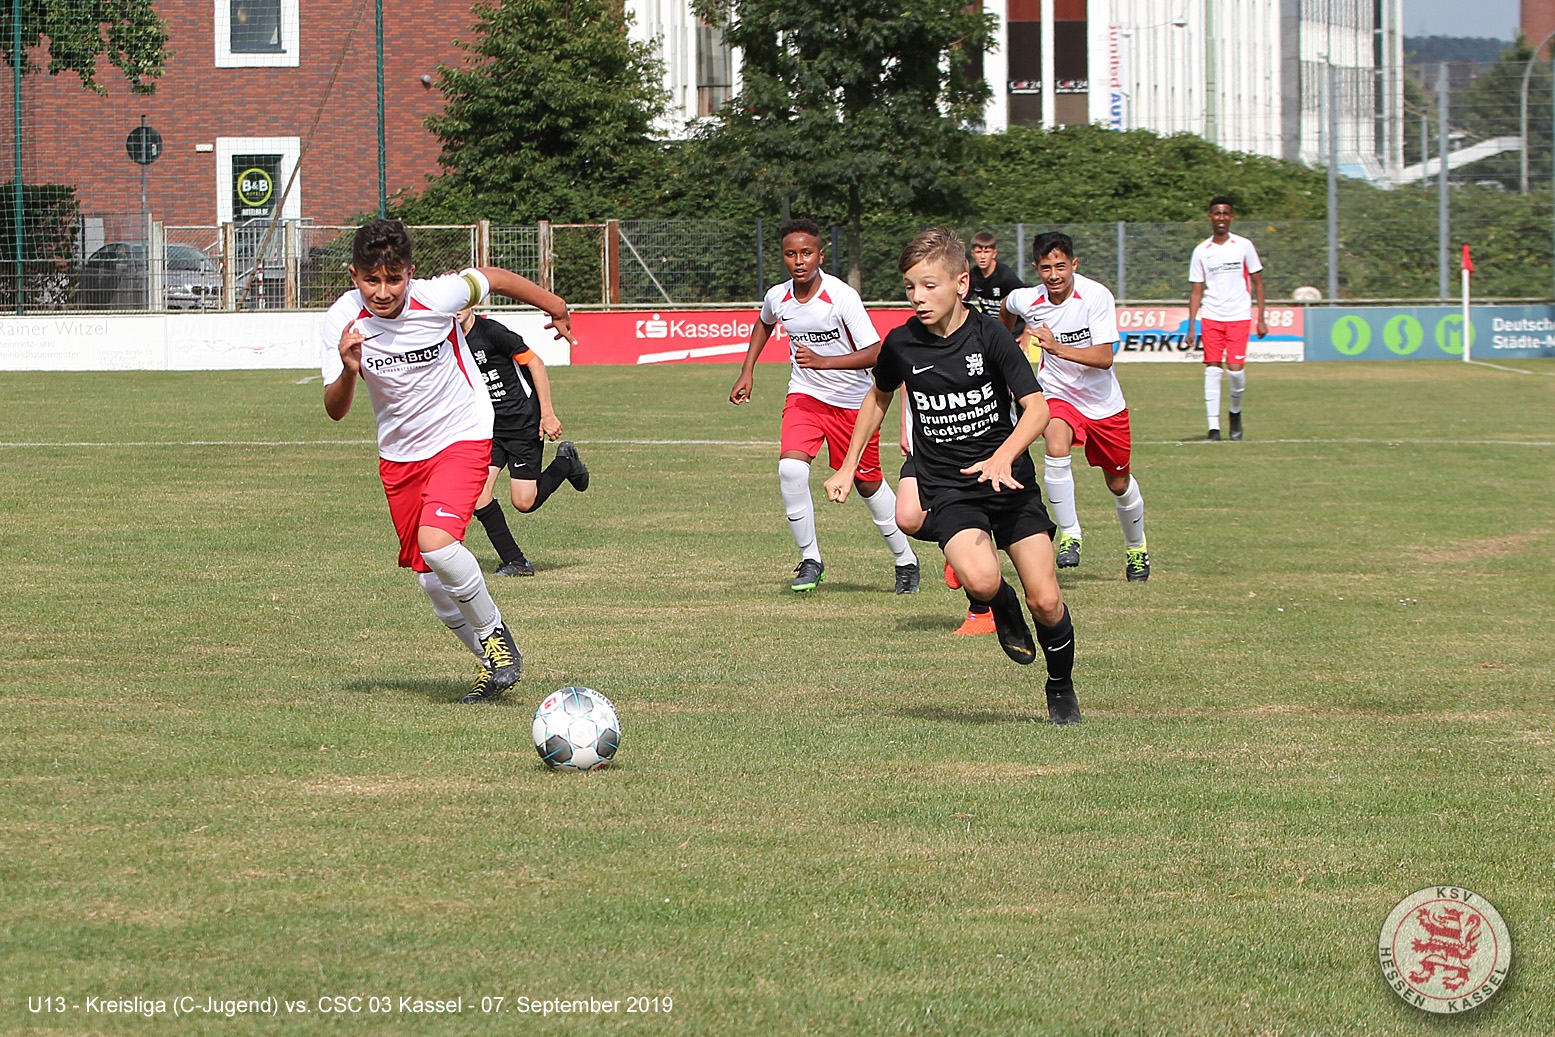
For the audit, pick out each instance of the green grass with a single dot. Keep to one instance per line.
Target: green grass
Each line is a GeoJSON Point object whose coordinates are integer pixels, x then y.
{"type": "Point", "coordinates": [234, 765]}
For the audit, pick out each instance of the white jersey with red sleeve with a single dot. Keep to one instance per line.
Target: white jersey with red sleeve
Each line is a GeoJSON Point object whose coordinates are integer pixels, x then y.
{"type": "Point", "coordinates": [1086, 318]}
{"type": "Point", "coordinates": [1225, 272]}
{"type": "Point", "coordinates": [426, 390]}
{"type": "Point", "coordinates": [832, 323]}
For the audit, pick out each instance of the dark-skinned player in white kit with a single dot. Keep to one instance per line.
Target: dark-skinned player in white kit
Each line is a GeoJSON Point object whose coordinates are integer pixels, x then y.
{"type": "Point", "coordinates": [965, 375]}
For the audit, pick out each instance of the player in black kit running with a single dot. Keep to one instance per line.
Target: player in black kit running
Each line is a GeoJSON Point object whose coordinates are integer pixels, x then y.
{"type": "Point", "coordinates": [962, 371]}
{"type": "Point", "coordinates": [521, 399]}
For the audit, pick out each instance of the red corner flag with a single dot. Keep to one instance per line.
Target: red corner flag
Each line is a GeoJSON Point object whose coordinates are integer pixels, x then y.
{"type": "Point", "coordinates": [1468, 264]}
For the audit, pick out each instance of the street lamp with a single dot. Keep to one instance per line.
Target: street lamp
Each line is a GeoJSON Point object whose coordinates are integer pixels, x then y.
{"type": "Point", "coordinates": [1523, 124]}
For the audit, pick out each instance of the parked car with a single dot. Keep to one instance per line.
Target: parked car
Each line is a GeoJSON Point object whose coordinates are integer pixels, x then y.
{"type": "Point", "coordinates": [115, 277]}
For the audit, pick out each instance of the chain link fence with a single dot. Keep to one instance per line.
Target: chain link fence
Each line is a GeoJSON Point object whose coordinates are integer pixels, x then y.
{"type": "Point", "coordinates": [119, 262]}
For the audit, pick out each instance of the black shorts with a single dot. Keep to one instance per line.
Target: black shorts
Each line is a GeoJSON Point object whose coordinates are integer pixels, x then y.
{"type": "Point", "coordinates": [909, 470]}
{"type": "Point", "coordinates": [521, 454]}
{"type": "Point", "coordinates": [1010, 516]}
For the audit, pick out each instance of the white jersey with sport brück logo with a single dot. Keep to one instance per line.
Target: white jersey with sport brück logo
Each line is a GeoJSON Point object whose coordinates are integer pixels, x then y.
{"type": "Point", "coordinates": [426, 390]}
{"type": "Point", "coordinates": [1225, 271]}
{"type": "Point", "coordinates": [832, 323]}
{"type": "Point", "coordinates": [1086, 318]}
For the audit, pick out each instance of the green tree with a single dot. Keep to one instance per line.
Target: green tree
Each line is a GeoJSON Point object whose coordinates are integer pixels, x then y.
{"type": "Point", "coordinates": [81, 32]}
{"type": "Point", "coordinates": [1491, 106]}
{"type": "Point", "coordinates": [851, 106]}
{"type": "Point", "coordinates": [549, 120]}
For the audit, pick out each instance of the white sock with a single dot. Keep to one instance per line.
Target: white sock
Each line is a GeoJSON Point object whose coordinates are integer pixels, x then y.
{"type": "Point", "coordinates": [794, 481]}
{"type": "Point", "coordinates": [1238, 380]}
{"type": "Point", "coordinates": [461, 577]}
{"type": "Point", "coordinates": [447, 610]}
{"type": "Point", "coordinates": [1212, 394]}
{"type": "Point", "coordinates": [882, 508]}
{"type": "Point", "coordinates": [1058, 477]}
{"type": "Point", "coordinates": [1131, 515]}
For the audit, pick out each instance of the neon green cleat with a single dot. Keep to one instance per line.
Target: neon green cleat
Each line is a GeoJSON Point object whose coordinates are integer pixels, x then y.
{"type": "Point", "coordinates": [1066, 551]}
{"type": "Point", "coordinates": [1137, 568]}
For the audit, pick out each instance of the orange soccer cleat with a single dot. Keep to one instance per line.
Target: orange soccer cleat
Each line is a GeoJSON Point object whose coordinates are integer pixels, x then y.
{"type": "Point", "coordinates": [977, 623]}
{"type": "Point", "coordinates": [950, 578]}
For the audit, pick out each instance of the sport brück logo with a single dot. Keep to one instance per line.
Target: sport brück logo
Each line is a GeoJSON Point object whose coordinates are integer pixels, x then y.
{"type": "Point", "coordinates": [1445, 949]}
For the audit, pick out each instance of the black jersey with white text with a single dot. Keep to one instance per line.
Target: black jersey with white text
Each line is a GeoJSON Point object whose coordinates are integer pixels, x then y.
{"type": "Point", "coordinates": [988, 293]}
{"type": "Point", "coordinates": [499, 352]}
{"type": "Point", "coordinates": [961, 393]}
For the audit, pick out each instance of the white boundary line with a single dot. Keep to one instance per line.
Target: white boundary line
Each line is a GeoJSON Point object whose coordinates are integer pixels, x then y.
{"type": "Point", "coordinates": [1511, 370]}
{"type": "Point", "coordinates": [754, 442]}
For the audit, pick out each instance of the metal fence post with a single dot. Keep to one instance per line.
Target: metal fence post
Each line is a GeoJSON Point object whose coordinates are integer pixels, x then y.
{"type": "Point", "coordinates": [1122, 266]}
{"type": "Point", "coordinates": [483, 243]}
{"type": "Point", "coordinates": [1333, 183]}
{"type": "Point", "coordinates": [1020, 251]}
{"type": "Point", "coordinates": [761, 265]}
{"type": "Point", "coordinates": [836, 253]}
{"type": "Point", "coordinates": [1441, 182]}
{"type": "Point", "coordinates": [547, 256]}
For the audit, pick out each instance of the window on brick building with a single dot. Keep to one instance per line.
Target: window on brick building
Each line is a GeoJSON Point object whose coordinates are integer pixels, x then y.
{"type": "Point", "coordinates": [255, 26]}
{"type": "Point", "coordinates": [256, 33]}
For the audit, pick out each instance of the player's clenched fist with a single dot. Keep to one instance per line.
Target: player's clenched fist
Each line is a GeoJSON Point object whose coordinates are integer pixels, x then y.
{"type": "Point", "coordinates": [838, 485]}
{"type": "Point", "coordinates": [741, 393]}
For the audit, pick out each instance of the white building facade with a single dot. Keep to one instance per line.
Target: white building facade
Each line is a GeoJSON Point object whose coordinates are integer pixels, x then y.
{"type": "Point", "coordinates": [1249, 75]}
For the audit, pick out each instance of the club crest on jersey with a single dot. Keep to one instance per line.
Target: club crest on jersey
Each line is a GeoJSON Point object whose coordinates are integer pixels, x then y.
{"type": "Point", "coordinates": [974, 363]}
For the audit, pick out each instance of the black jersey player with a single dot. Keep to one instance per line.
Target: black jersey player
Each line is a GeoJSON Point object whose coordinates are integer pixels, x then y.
{"type": "Point", "coordinates": [521, 400]}
{"type": "Point", "coordinates": [962, 372]}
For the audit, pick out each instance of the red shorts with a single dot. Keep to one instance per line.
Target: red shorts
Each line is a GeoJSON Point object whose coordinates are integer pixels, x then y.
{"type": "Point", "coordinates": [1225, 340]}
{"type": "Point", "coordinates": [439, 491]}
{"type": "Point", "coordinates": [1107, 441]}
{"type": "Point", "coordinates": [807, 421]}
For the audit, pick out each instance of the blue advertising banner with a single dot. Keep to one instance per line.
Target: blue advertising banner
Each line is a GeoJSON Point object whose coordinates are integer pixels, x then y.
{"type": "Point", "coordinates": [1428, 332]}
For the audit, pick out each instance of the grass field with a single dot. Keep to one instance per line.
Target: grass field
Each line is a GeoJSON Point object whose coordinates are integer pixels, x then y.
{"type": "Point", "coordinates": [234, 765]}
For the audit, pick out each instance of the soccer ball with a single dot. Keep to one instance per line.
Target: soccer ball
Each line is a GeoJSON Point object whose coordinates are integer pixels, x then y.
{"type": "Point", "coordinates": [576, 729]}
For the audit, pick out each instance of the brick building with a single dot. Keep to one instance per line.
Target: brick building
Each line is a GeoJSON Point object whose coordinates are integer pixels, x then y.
{"type": "Point", "coordinates": [247, 82]}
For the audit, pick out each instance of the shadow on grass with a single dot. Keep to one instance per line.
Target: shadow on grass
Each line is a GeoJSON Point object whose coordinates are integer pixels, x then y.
{"type": "Point", "coordinates": [541, 567]}
{"type": "Point", "coordinates": [968, 716]}
{"type": "Point", "coordinates": [943, 624]}
{"type": "Point", "coordinates": [433, 689]}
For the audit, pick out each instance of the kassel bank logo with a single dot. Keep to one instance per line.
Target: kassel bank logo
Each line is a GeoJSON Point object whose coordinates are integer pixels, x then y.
{"type": "Point", "coordinates": [656, 327]}
{"type": "Point", "coordinates": [1445, 949]}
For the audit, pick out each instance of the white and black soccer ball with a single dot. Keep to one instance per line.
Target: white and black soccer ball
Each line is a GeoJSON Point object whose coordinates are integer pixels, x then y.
{"type": "Point", "coordinates": [576, 729]}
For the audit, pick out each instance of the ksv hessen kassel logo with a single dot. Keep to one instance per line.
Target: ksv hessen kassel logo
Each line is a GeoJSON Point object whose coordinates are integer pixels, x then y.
{"type": "Point", "coordinates": [1445, 949]}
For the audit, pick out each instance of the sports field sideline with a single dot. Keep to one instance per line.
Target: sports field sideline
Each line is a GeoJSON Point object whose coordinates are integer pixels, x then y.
{"type": "Point", "coordinates": [236, 768]}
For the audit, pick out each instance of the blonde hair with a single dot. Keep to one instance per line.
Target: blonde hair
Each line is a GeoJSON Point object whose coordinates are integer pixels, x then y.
{"type": "Point", "coordinates": [937, 245]}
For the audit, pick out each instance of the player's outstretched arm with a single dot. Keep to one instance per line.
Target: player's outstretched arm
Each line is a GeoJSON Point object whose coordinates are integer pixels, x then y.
{"type": "Point", "coordinates": [521, 289]}
{"type": "Point", "coordinates": [996, 471]}
{"type": "Point", "coordinates": [741, 392]}
{"type": "Point", "coordinates": [1263, 327]}
{"type": "Point", "coordinates": [858, 360]}
{"type": "Point", "coordinates": [550, 424]}
{"type": "Point", "coordinates": [339, 393]}
{"type": "Point", "coordinates": [871, 414]}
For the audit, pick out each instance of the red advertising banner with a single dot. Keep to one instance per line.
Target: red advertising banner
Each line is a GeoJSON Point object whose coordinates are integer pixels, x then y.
{"type": "Point", "coordinates": [685, 336]}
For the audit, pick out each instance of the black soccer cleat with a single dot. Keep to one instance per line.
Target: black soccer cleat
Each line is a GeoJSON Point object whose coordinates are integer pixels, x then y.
{"type": "Point", "coordinates": [1009, 623]}
{"type": "Point", "coordinates": [507, 662]}
{"type": "Point", "coordinates": [907, 579]}
{"type": "Point", "coordinates": [517, 567]}
{"type": "Point", "coordinates": [1213, 436]}
{"type": "Point", "coordinates": [807, 575]}
{"type": "Point", "coordinates": [481, 690]}
{"type": "Point", "coordinates": [1236, 425]}
{"type": "Point", "coordinates": [1137, 566]}
{"type": "Point", "coordinates": [579, 477]}
{"type": "Point", "coordinates": [1062, 705]}
{"type": "Point", "coordinates": [1066, 552]}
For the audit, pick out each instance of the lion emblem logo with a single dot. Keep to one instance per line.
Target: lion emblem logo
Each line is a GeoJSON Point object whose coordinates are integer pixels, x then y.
{"type": "Point", "coordinates": [1445, 949]}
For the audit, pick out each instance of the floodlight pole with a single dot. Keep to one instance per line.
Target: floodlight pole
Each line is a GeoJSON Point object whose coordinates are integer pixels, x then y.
{"type": "Point", "coordinates": [16, 133]}
{"type": "Point", "coordinates": [1333, 183]}
{"type": "Point", "coordinates": [1523, 123]}
{"type": "Point", "coordinates": [1442, 214]}
{"type": "Point", "coordinates": [383, 177]}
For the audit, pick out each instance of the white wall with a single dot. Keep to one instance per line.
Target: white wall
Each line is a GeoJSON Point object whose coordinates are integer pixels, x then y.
{"type": "Point", "coordinates": [197, 341]}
